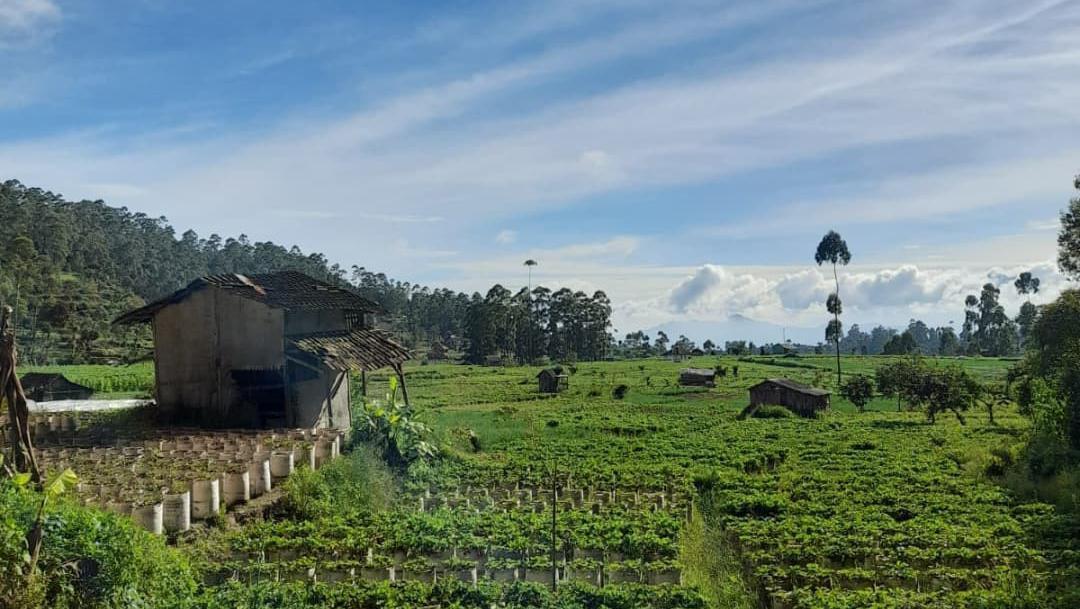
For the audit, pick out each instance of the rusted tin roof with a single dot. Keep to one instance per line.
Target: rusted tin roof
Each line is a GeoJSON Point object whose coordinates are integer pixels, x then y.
{"type": "Point", "coordinates": [289, 290]}
{"type": "Point", "coordinates": [794, 386]}
{"type": "Point", "coordinates": [367, 349]}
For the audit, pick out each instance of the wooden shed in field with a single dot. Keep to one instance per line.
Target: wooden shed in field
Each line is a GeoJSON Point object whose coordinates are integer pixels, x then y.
{"type": "Point", "coordinates": [803, 400]}
{"type": "Point", "coordinates": [697, 377]}
{"type": "Point", "coordinates": [50, 386]}
{"type": "Point", "coordinates": [269, 350]}
{"type": "Point", "coordinates": [553, 381]}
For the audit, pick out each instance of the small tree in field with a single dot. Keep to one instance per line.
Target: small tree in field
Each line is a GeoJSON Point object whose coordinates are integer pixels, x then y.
{"type": "Point", "coordinates": [944, 389]}
{"type": "Point", "coordinates": [858, 390]}
{"type": "Point", "coordinates": [990, 396]}
{"type": "Point", "coordinates": [901, 379]}
{"type": "Point", "coordinates": [834, 250]}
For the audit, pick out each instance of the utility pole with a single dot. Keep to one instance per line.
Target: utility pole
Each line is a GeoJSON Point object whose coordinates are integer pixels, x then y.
{"type": "Point", "coordinates": [530, 263]}
{"type": "Point", "coordinates": [554, 523]}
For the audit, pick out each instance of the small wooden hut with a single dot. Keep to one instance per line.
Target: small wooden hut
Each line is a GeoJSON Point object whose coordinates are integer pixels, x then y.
{"type": "Point", "coordinates": [50, 386]}
{"type": "Point", "coordinates": [697, 377]}
{"type": "Point", "coordinates": [268, 350]}
{"type": "Point", "coordinates": [803, 400]}
{"type": "Point", "coordinates": [553, 381]}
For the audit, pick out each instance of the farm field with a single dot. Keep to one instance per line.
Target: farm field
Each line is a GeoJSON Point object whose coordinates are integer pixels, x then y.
{"type": "Point", "coordinates": [665, 499]}
{"type": "Point", "coordinates": [136, 380]}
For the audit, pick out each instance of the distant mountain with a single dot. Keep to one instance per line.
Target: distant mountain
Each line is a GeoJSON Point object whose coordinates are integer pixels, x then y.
{"type": "Point", "coordinates": [738, 327]}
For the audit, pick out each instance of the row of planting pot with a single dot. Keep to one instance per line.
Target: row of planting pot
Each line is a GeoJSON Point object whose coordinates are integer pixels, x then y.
{"type": "Point", "coordinates": [62, 429]}
{"type": "Point", "coordinates": [589, 572]}
{"type": "Point", "coordinates": [150, 459]}
{"type": "Point", "coordinates": [165, 492]}
{"type": "Point", "coordinates": [285, 550]}
{"type": "Point", "coordinates": [577, 493]}
{"type": "Point", "coordinates": [539, 505]}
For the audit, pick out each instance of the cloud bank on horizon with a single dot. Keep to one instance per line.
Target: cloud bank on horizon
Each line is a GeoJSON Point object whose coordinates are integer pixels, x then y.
{"type": "Point", "coordinates": [683, 156]}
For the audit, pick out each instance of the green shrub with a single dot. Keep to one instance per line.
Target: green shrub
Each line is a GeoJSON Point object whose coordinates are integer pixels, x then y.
{"type": "Point", "coordinates": [772, 412]}
{"type": "Point", "coordinates": [90, 560]}
{"type": "Point", "coordinates": [357, 480]}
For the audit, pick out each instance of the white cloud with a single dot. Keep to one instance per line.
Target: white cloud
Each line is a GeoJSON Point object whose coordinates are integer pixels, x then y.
{"type": "Point", "coordinates": [937, 192]}
{"type": "Point", "coordinates": [802, 289]}
{"type": "Point", "coordinates": [617, 246]}
{"type": "Point", "coordinates": [305, 214]}
{"type": "Point", "coordinates": [403, 248]}
{"type": "Point", "coordinates": [715, 291]}
{"type": "Point", "coordinates": [988, 77]}
{"type": "Point", "coordinates": [397, 218]}
{"type": "Point", "coordinates": [1048, 224]}
{"type": "Point", "coordinates": [797, 297]}
{"type": "Point", "coordinates": [973, 76]}
{"type": "Point", "coordinates": [506, 237]}
{"type": "Point", "coordinates": [16, 15]}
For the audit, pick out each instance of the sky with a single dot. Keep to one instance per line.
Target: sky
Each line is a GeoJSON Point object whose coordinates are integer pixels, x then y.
{"type": "Point", "coordinates": [684, 156]}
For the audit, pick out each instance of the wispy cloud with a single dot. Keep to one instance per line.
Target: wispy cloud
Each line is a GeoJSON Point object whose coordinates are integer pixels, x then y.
{"type": "Point", "coordinates": [305, 214]}
{"type": "Point", "coordinates": [912, 112]}
{"type": "Point", "coordinates": [506, 237]}
{"type": "Point", "coordinates": [1048, 224]}
{"type": "Point", "coordinates": [936, 192]}
{"type": "Point", "coordinates": [397, 218]}
{"type": "Point", "coordinates": [22, 15]}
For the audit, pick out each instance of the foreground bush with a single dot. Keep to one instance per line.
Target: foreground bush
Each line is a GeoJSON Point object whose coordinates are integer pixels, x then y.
{"type": "Point", "coordinates": [90, 559]}
{"type": "Point", "coordinates": [364, 595]}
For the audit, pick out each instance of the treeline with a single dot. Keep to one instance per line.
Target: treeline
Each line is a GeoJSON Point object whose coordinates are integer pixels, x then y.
{"type": "Point", "coordinates": [529, 326]}
{"type": "Point", "coordinates": [987, 329]}
{"type": "Point", "coordinates": [70, 267]}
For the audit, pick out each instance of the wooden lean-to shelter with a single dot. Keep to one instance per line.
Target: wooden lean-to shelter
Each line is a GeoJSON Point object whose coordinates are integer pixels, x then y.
{"type": "Point", "coordinates": [803, 400]}
{"type": "Point", "coordinates": [553, 381]}
{"type": "Point", "coordinates": [268, 350]}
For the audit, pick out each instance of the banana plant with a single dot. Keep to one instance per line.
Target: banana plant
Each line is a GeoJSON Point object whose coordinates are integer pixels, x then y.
{"type": "Point", "coordinates": [59, 484]}
{"type": "Point", "coordinates": [391, 426]}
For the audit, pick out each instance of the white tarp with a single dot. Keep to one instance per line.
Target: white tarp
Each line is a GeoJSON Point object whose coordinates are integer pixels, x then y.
{"type": "Point", "coordinates": [83, 405]}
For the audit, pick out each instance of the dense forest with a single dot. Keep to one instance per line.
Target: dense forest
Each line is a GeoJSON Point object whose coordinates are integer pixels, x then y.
{"type": "Point", "coordinates": [69, 268]}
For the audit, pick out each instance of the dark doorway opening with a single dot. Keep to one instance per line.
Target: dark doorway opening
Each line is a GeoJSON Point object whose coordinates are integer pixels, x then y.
{"type": "Point", "coordinates": [265, 390]}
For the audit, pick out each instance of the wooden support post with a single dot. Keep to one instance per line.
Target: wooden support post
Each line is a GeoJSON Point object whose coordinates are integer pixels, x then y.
{"type": "Point", "coordinates": [401, 379]}
{"type": "Point", "coordinates": [363, 383]}
{"type": "Point", "coordinates": [12, 392]}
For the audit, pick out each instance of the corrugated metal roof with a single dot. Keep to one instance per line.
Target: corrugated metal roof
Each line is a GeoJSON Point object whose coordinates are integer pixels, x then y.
{"type": "Point", "coordinates": [289, 290]}
{"type": "Point", "coordinates": [795, 386]}
{"type": "Point", "coordinates": [352, 350]}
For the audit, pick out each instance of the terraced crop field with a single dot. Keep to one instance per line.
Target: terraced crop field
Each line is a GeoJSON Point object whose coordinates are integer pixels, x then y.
{"type": "Point", "coordinates": [136, 380]}
{"type": "Point", "coordinates": [664, 498]}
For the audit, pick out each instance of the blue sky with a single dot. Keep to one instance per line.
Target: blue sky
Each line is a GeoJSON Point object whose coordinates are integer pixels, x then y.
{"type": "Point", "coordinates": [635, 147]}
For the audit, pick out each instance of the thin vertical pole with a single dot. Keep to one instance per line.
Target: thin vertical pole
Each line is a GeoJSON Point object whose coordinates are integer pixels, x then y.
{"type": "Point", "coordinates": [404, 389]}
{"type": "Point", "coordinates": [554, 522]}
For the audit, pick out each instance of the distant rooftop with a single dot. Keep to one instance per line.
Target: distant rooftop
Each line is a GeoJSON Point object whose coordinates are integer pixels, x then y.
{"type": "Point", "coordinates": [289, 290]}
{"type": "Point", "coordinates": [795, 386]}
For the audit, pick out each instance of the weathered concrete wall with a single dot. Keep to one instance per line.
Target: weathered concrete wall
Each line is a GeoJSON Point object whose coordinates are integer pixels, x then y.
{"type": "Point", "coordinates": [306, 322]}
{"type": "Point", "coordinates": [199, 341]}
{"type": "Point", "coordinates": [185, 361]}
{"type": "Point", "coordinates": [321, 402]}
{"type": "Point", "coordinates": [250, 337]}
